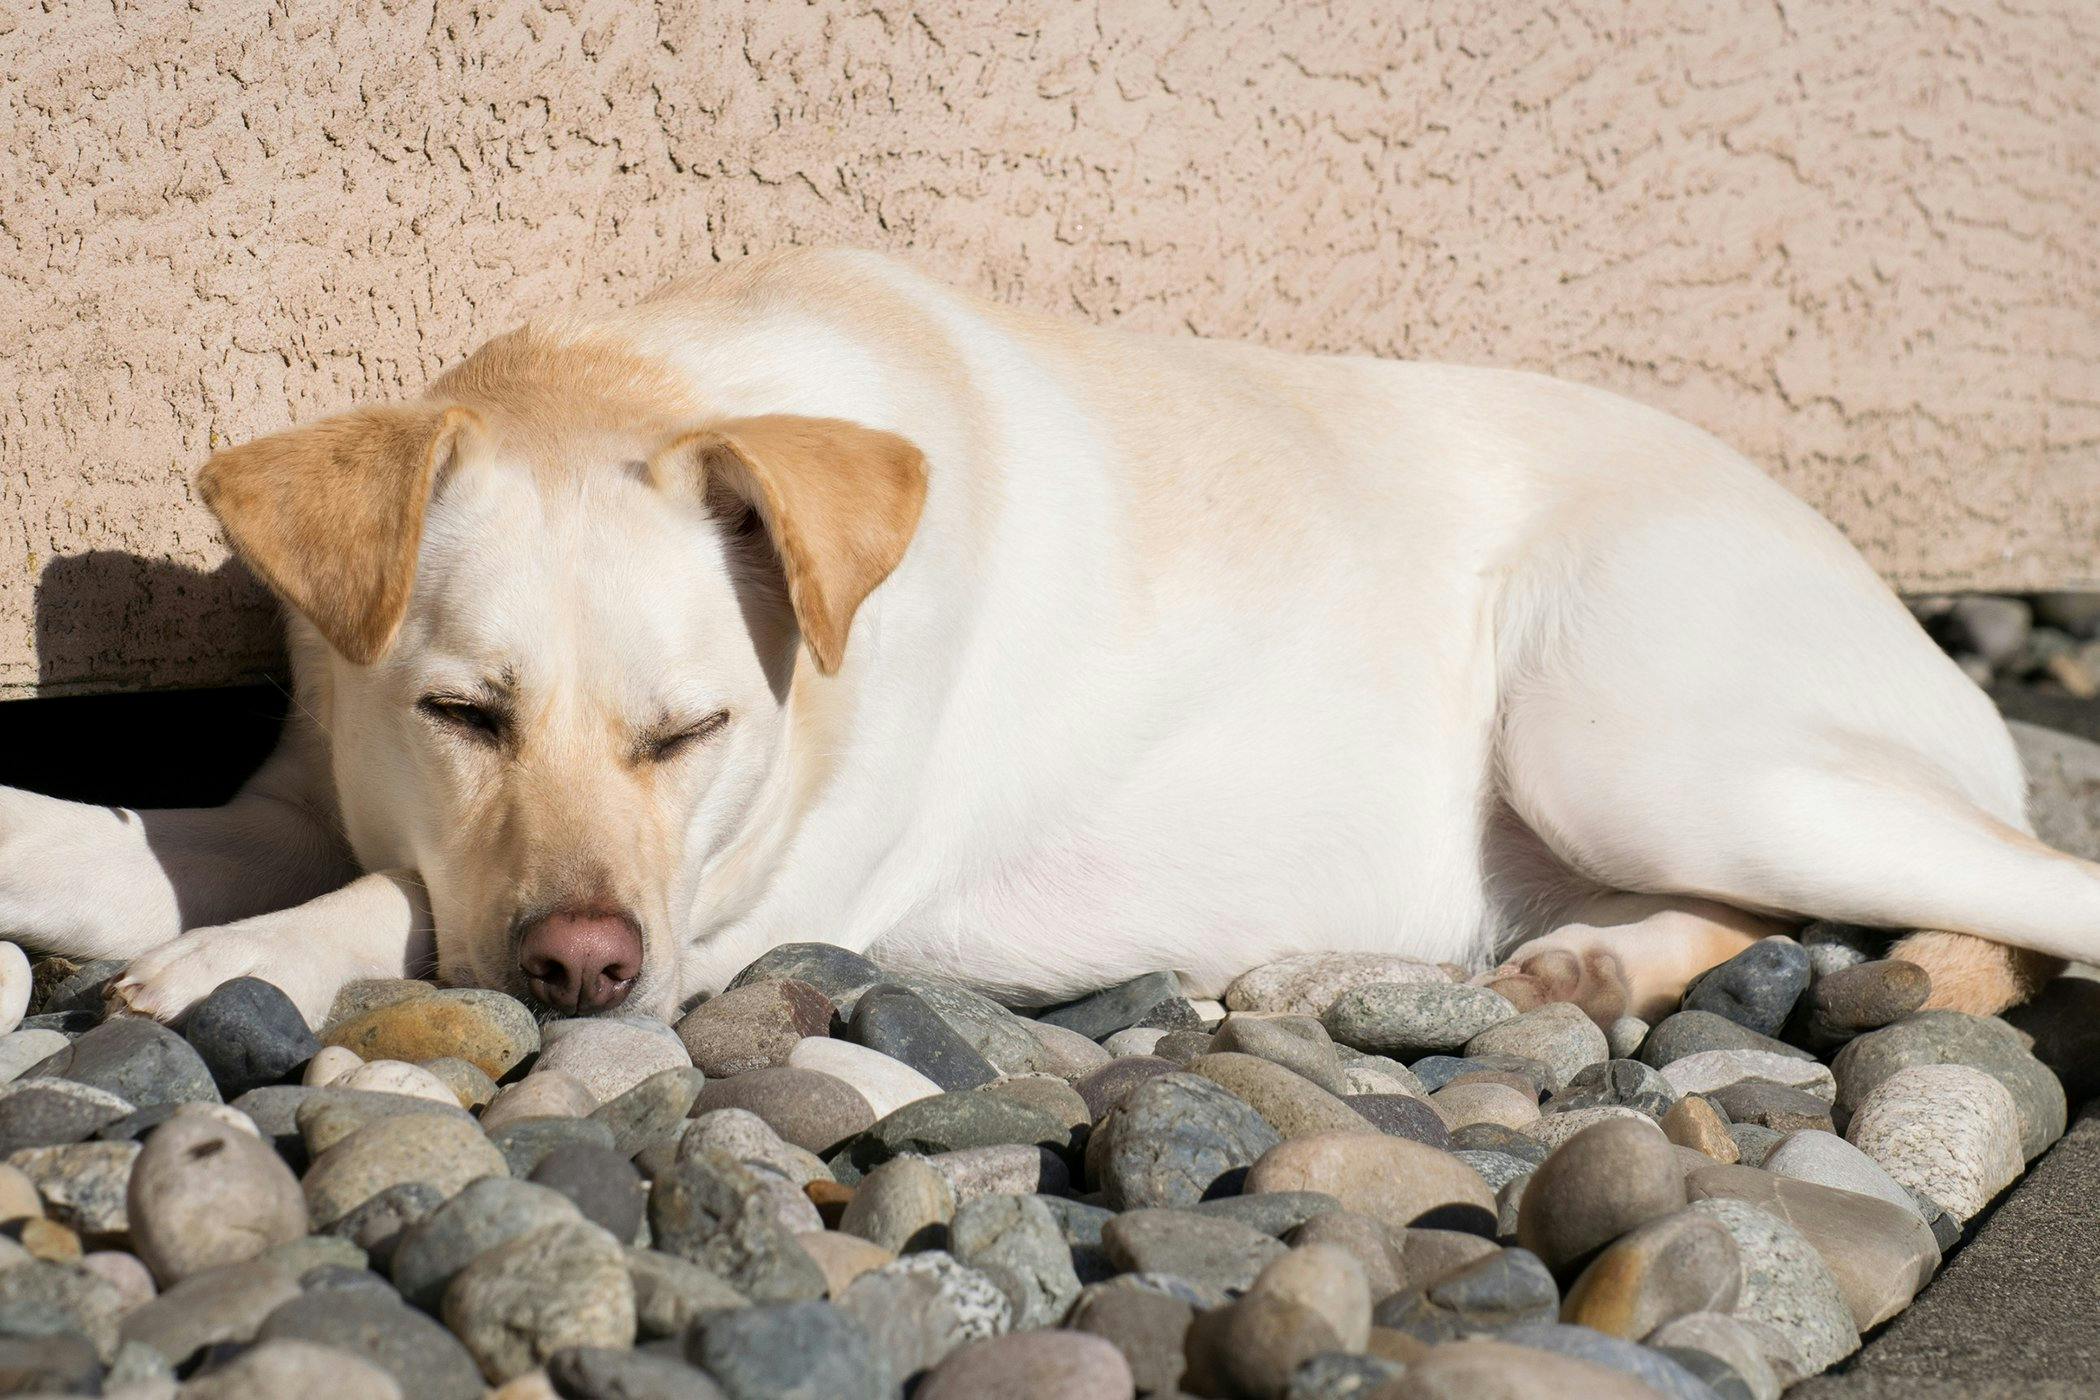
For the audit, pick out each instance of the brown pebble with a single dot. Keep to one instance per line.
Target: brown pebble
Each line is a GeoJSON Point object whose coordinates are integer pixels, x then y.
{"type": "Point", "coordinates": [1693, 1122]}
{"type": "Point", "coordinates": [831, 1199]}
{"type": "Point", "coordinates": [50, 1241]}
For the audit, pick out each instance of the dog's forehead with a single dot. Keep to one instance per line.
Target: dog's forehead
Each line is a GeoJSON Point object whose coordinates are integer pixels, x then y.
{"type": "Point", "coordinates": [598, 564]}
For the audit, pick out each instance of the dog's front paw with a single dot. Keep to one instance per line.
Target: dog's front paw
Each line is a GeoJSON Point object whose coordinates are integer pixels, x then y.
{"type": "Point", "coordinates": [167, 981]}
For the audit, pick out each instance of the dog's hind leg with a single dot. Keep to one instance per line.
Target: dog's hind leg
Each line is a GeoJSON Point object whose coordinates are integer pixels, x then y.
{"type": "Point", "coordinates": [107, 882]}
{"type": "Point", "coordinates": [1721, 702]}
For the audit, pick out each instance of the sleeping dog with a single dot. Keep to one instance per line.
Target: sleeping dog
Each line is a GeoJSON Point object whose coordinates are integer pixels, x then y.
{"type": "Point", "coordinates": [812, 600]}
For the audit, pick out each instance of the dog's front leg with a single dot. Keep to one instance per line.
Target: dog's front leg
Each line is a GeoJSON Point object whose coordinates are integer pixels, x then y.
{"type": "Point", "coordinates": [108, 882]}
{"type": "Point", "coordinates": [376, 926]}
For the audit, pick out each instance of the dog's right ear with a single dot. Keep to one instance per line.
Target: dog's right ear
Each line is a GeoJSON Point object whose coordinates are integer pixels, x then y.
{"type": "Point", "coordinates": [330, 515]}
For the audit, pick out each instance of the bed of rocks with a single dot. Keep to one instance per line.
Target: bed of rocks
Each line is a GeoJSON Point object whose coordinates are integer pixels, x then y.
{"type": "Point", "coordinates": [1359, 1176]}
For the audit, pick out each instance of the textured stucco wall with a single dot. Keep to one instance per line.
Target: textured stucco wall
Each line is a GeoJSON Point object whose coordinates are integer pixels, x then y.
{"type": "Point", "coordinates": [1860, 239]}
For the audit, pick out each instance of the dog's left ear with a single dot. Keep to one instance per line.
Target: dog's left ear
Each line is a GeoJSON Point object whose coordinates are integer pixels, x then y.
{"type": "Point", "coordinates": [840, 501]}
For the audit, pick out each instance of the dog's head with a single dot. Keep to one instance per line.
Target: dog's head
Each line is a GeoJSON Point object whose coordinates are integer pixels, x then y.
{"type": "Point", "coordinates": [563, 633]}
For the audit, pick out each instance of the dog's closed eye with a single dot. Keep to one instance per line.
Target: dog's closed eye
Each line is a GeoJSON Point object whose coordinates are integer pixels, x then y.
{"type": "Point", "coordinates": [477, 721]}
{"type": "Point", "coordinates": [667, 742]}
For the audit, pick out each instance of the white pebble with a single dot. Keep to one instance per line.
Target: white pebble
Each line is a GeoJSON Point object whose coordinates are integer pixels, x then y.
{"type": "Point", "coordinates": [331, 1064]}
{"type": "Point", "coordinates": [14, 986]}
{"type": "Point", "coordinates": [1138, 1040]}
{"type": "Point", "coordinates": [887, 1084]}
{"type": "Point", "coordinates": [1717, 1069]}
{"type": "Point", "coordinates": [399, 1077]}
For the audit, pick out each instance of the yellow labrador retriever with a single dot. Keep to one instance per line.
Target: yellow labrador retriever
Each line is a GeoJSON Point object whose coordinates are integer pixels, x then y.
{"type": "Point", "coordinates": [810, 599]}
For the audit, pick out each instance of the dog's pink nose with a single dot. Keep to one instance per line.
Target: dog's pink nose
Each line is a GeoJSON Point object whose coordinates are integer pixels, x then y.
{"type": "Point", "coordinates": [581, 961]}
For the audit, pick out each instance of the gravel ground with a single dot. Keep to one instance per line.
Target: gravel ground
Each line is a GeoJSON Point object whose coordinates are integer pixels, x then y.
{"type": "Point", "coordinates": [1358, 1177]}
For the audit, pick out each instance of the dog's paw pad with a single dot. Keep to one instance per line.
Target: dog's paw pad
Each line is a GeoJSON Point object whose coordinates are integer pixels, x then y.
{"type": "Point", "coordinates": [1593, 980]}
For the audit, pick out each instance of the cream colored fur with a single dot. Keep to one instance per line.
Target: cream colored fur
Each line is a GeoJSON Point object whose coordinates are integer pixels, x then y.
{"type": "Point", "coordinates": [1199, 655]}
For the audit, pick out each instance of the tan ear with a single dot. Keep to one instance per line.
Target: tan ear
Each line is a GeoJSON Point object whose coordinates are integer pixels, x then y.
{"type": "Point", "coordinates": [840, 501]}
{"type": "Point", "coordinates": [330, 515]}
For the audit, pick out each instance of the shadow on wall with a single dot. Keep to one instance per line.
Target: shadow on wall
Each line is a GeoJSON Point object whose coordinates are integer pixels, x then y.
{"type": "Point", "coordinates": [153, 748]}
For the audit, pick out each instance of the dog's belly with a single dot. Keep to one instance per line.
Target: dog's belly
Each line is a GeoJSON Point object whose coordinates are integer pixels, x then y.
{"type": "Point", "coordinates": [1346, 840]}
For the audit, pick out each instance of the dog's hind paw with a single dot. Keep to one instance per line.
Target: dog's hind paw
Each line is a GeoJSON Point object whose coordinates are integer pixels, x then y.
{"type": "Point", "coordinates": [1593, 980]}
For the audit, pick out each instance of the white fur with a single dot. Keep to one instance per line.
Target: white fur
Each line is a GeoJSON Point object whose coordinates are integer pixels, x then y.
{"type": "Point", "coordinates": [1201, 656]}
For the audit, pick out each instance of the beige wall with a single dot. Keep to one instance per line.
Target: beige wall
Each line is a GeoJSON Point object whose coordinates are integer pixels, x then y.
{"type": "Point", "coordinates": [1861, 240]}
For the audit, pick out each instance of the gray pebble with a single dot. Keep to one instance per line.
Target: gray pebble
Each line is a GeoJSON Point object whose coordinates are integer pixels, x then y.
{"type": "Point", "coordinates": [487, 1213]}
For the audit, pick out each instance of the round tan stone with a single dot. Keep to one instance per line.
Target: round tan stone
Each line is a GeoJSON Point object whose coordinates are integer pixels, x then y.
{"type": "Point", "coordinates": [1481, 1100]}
{"type": "Point", "coordinates": [1608, 1179]}
{"type": "Point", "coordinates": [1292, 1104]}
{"type": "Point", "coordinates": [842, 1257]}
{"type": "Point", "coordinates": [1400, 1182]}
{"type": "Point", "coordinates": [488, 1030]}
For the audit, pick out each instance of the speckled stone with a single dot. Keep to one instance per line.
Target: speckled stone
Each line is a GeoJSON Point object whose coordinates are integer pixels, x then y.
{"type": "Point", "coordinates": [83, 1184]}
{"type": "Point", "coordinates": [486, 1213]}
{"type": "Point", "coordinates": [1309, 983]}
{"type": "Point", "coordinates": [1786, 1284]}
{"type": "Point", "coordinates": [1558, 1035]}
{"type": "Point", "coordinates": [1880, 1253]}
{"type": "Point", "coordinates": [1175, 1140]}
{"type": "Point", "coordinates": [1948, 1131]}
{"type": "Point", "coordinates": [921, 1309]}
{"type": "Point", "coordinates": [1017, 1243]}
{"type": "Point", "coordinates": [1402, 1116]}
{"type": "Point", "coordinates": [50, 1112]}
{"type": "Point", "coordinates": [1949, 1037]}
{"type": "Point", "coordinates": [713, 1211]}
{"type": "Point", "coordinates": [1416, 1018]}
{"type": "Point", "coordinates": [563, 1285]}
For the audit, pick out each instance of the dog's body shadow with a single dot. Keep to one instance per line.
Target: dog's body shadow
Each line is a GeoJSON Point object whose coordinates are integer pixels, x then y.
{"type": "Point", "coordinates": [122, 643]}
